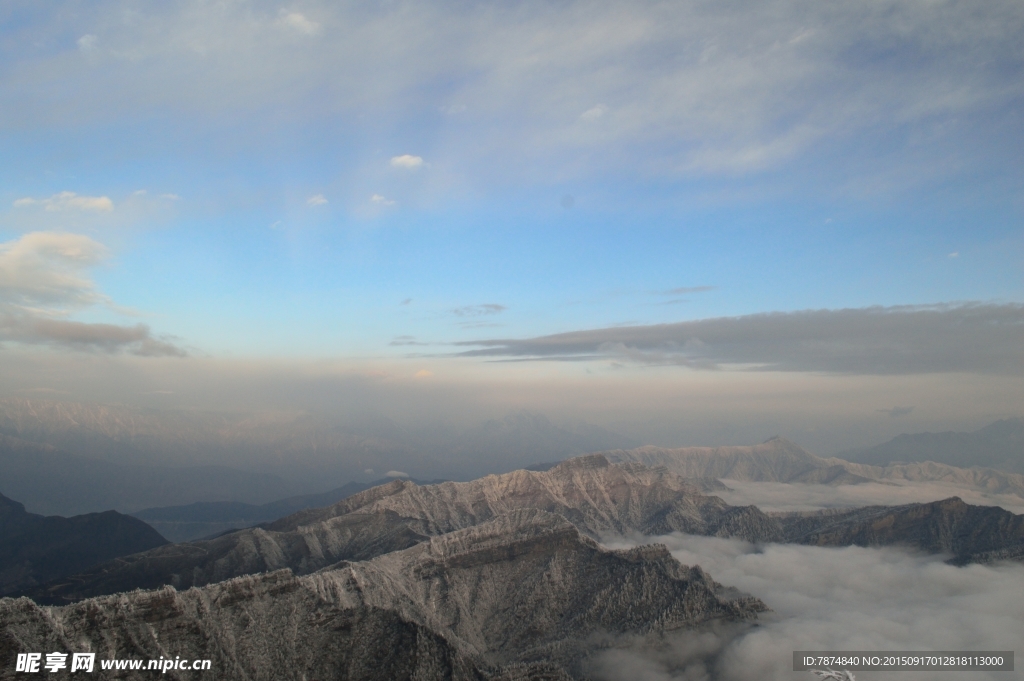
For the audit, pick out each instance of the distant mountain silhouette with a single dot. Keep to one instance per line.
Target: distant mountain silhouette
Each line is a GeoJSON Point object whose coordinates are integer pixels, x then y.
{"type": "Point", "coordinates": [53, 481]}
{"type": "Point", "coordinates": [303, 451]}
{"type": "Point", "coordinates": [206, 519]}
{"type": "Point", "coordinates": [999, 445]}
{"type": "Point", "coordinates": [779, 460]}
{"type": "Point", "coordinates": [36, 549]}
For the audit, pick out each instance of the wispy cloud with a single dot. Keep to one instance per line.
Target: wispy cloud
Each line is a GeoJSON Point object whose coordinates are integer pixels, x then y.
{"type": "Point", "coordinates": [316, 200]}
{"type": "Point", "coordinates": [68, 201]}
{"type": "Point", "coordinates": [382, 200]}
{"type": "Point", "coordinates": [984, 338]}
{"type": "Point", "coordinates": [44, 279]}
{"type": "Point", "coordinates": [684, 290]}
{"type": "Point", "coordinates": [298, 22]}
{"type": "Point", "coordinates": [478, 310]}
{"type": "Point", "coordinates": [406, 340]}
{"type": "Point", "coordinates": [695, 88]}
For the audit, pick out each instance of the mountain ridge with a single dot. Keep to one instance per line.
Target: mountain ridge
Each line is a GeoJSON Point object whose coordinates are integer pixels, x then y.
{"type": "Point", "coordinates": [780, 460]}
{"type": "Point", "coordinates": [518, 597]}
{"type": "Point", "coordinates": [999, 446]}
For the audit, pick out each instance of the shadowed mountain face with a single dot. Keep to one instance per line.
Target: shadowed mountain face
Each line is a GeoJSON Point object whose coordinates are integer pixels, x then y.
{"type": "Point", "coordinates": [593, 495]}
{"type": "Point", "coordinates": [971, 534]}
{"type": "Point", "coordinates": [36, 549]}
{"type": "Point", "coordinates": [999, 445]}
{"type": "Point", "coordinates": [520, 596]}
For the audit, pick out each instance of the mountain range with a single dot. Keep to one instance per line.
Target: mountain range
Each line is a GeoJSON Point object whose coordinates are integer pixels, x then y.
{"type": "Point", "coordinates": [523, 595]}
{"type": "Point", "coordinates": [599, 498]}
{"type": "Point", "coordinates": [501, 578]}
{"type": "Point", "coordinates": [779, 460]}
{"type": "Point", "coordinates": [999, 445]}
{"type": "Point", "coordinates": [111, 456]}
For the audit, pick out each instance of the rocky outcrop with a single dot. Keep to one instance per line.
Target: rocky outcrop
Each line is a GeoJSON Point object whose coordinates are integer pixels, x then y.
{"type": "Point", "coordinates": [522, 596]}
{"type": "Point", "coordinates": [595, 496]}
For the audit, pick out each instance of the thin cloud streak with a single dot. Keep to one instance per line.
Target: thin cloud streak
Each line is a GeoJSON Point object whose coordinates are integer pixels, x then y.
{"type": "Point", "coordinates": [971, 337]}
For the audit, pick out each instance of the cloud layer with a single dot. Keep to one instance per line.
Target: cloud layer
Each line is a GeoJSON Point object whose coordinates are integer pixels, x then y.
{"type": "Point", "coordinates": [68, 201]}
{"type": "Point", "coordinates": [982, 338]}
{"type": "Point", "coordinates": [44, 279]}
{"type": "Point", "coordinates": [551, 89]}
{"type": "Point", "coordinates": [830, 599]}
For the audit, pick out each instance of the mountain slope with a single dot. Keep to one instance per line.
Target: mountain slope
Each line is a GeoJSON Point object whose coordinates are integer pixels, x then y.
{"type": "Point", "coordinates": [999, 445]}
{"type": "Point", "coordinates": [36, 549]}
{"type": "Point", "coordinates": [518, 597]}
{"type": "Point", "coordinates": [589, 492]}
{"type": "Point", "coordinates": [970, 533]}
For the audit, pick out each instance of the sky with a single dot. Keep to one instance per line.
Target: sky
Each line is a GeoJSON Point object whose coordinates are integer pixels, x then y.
{"type": "Point", "coordinates": [693, 221]}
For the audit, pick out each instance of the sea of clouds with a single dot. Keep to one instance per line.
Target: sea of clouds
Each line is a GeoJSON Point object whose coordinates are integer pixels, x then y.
{"type": "Point", "coordinates": [852, 598]}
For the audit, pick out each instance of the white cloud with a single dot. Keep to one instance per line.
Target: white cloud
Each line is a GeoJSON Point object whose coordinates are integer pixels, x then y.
{"type": "Point", "coordinates": [316, 200]}
{"type": "Point", "coordinates": [382, 200]}
{"type": "Point", "coordinates": [849, 598]}
{"type": "Point", "coordinates": [396, 474]}
{"type": "Point", "coordinates": [407, 161]}
{"type": "Point", "coordinates": [48, 268]}
{"type": "Point", "coordinates": [44, 280]}
{"type": "Point", "coordinates": [87, 43]}
{"type": "Point", "coordinates": [299, 22]}
{"type": "Point", "coordinates": [68, 201]}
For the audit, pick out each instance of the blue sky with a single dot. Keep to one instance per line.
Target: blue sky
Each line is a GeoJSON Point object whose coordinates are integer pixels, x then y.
{"type": "Point", "coordinates": [371, 183]}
